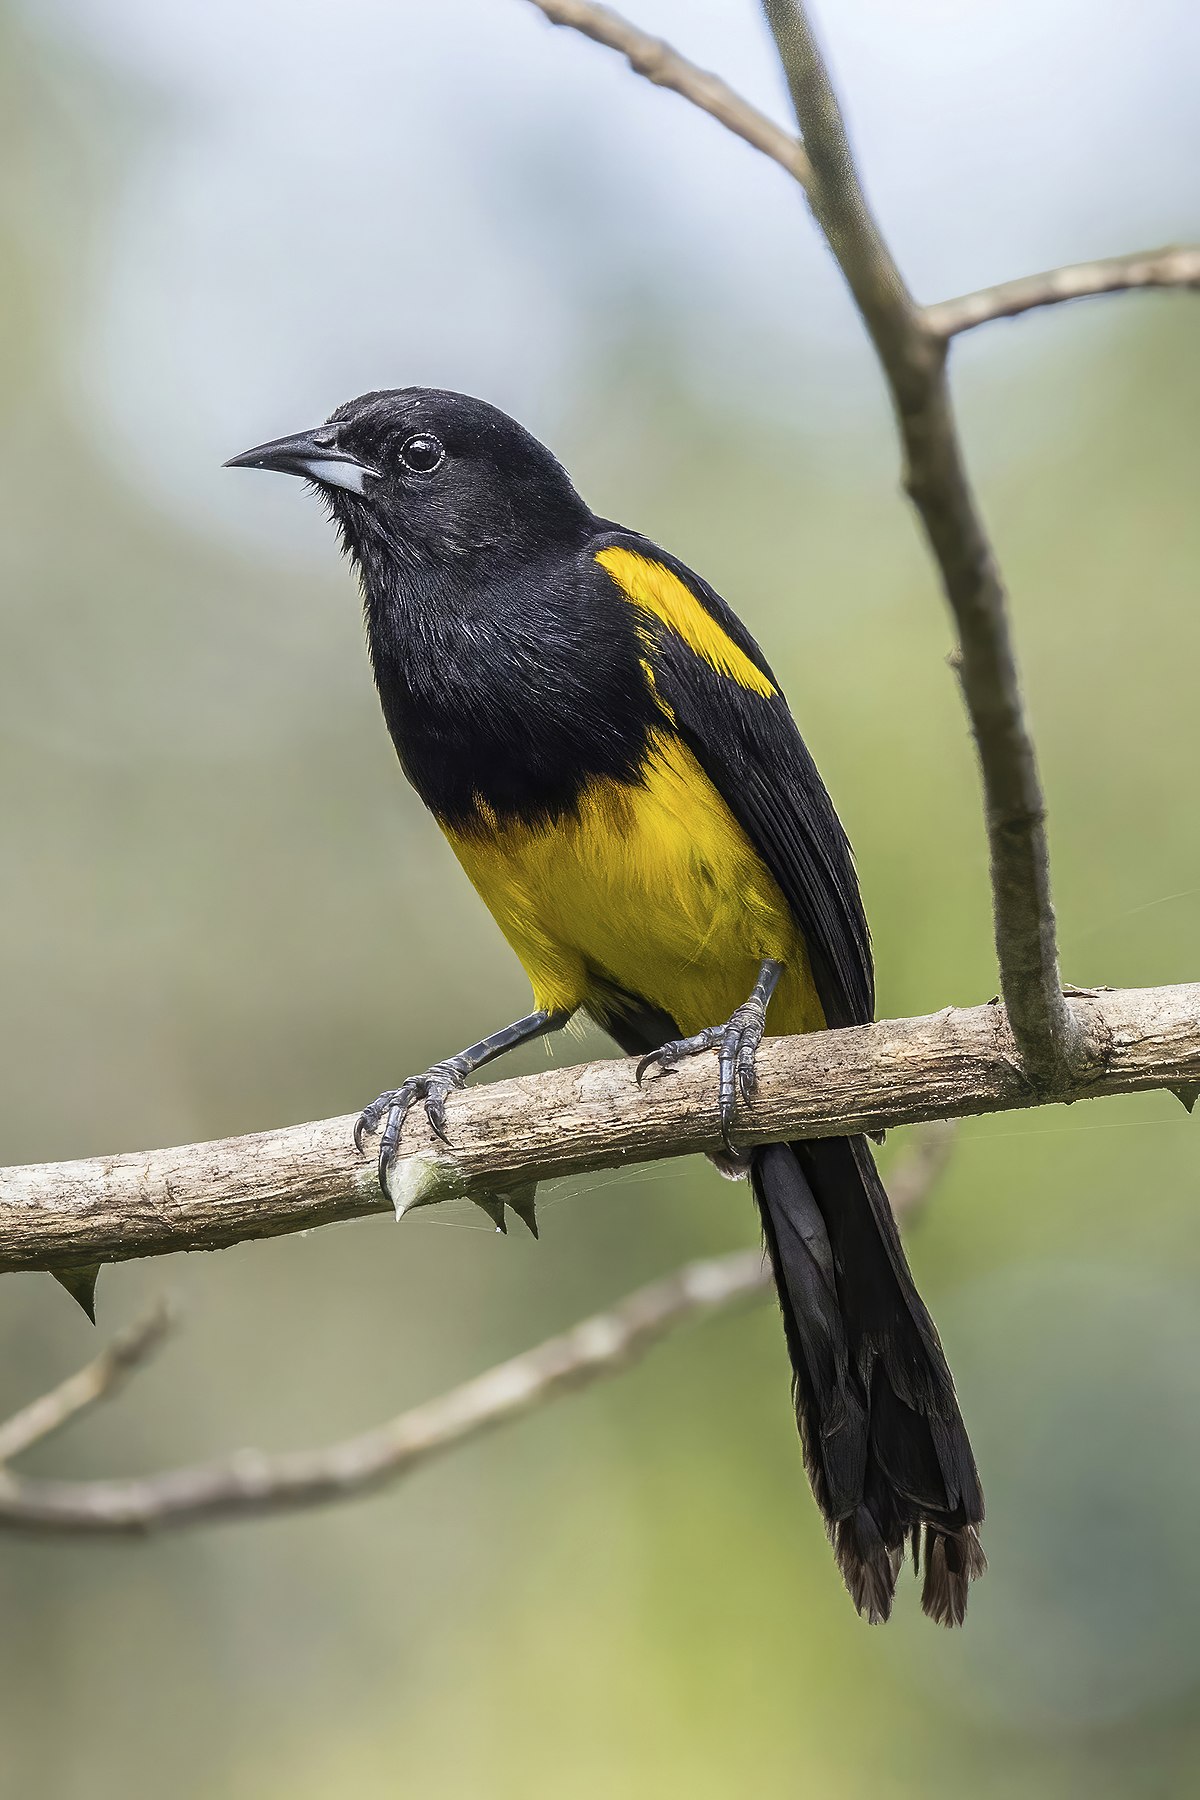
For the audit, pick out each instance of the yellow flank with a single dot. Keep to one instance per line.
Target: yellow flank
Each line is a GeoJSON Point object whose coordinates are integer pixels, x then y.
{"type": "Point", "coordinates": [653, 587]}
{"type": "Point", "coordinates": [653, 886]}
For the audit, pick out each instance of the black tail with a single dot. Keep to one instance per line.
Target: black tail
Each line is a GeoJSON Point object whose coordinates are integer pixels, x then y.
{"type": "Point", "coordinates": [884, 1443]}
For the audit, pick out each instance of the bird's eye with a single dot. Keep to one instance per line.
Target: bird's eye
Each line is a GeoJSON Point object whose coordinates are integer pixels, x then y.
{"type": "Point", "coordinates": [422, 453]}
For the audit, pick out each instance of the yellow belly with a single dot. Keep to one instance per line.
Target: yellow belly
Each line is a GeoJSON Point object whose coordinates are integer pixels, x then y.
{"type": "Point", "coordinates": [654, 887]}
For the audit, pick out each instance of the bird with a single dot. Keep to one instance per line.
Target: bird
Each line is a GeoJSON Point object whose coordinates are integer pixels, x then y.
{"type": "Point", "coordinates": [614, 764]}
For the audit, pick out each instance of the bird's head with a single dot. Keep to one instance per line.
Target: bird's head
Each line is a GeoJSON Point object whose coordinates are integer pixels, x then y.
{"type": "Point", "coordinates": [424, 474]}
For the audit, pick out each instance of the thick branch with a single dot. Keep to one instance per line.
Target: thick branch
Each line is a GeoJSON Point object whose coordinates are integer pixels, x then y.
{"type": "Point", "coordinates": [663, 65]}
{"type": "Point", "coordinates": [913, 359]}
{"type": "Point", "coordinates": [568, 1121]}
{"type": "Point", "coordinates": [251, 1483]}
{"type": "Point", "coordinates": [1174, 267]}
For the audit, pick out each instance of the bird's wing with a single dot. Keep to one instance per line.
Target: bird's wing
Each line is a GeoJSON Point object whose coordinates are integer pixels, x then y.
{"type": "Point", "coordinates": [713, 683]}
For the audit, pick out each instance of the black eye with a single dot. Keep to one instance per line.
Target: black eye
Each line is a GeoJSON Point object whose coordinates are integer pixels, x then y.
{"type": "Point", "coordinates": [422, 453]}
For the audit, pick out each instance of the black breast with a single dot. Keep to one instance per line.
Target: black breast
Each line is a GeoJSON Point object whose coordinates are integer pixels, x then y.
{"type": "Point", "coordinates": [515, 688]}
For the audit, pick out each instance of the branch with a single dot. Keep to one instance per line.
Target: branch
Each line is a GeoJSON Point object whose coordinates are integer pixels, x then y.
{"type": "Point", "coordinates": [663, 65]}
{"type": "Point", "coordinates": [515, 1134]}
{"type": "Point", "coordinates": [911, 342]}
{"type": "Point", "coordinates": [913, 360]}
{"type": "Point", "coordinates": [1175, 267]}
{"type": "Point", "coordinates": [103, 1377]}
{"type": "Point", "coordinates": [251, 1483]}
{"type": "Point", "coordinates": [509, 1134]}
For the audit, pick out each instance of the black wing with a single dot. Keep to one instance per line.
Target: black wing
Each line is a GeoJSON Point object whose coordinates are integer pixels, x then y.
{"type": "Point", "coordinates": [749, 747]}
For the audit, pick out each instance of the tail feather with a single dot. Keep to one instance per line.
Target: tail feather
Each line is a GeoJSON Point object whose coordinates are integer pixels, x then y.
{"type": "Point", "coordinates": [884, 1443]}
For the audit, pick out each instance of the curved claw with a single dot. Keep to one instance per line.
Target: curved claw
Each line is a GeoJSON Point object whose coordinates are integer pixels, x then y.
{"type": "Point", "coordinates": [664, 1060]}
{"type": "Point", "coordinates": [435, 1111]}
{"type": "Point", "coordinates": [668, 1055]}
{"type": "Point", "coordinates": [747, 1071]}
{"type": "Point", "coordinates": [367, 1123]}
{"type": "Point", "coordinates": [737, 1044]}
{"type": "Point", "coordinates": [399, 1104]}
{"type": "Point", "coordinates": [439, 1083]}
{"type": "Point", "coordinates": [731, 1039]}
{"type": "Point", "coordinates": [433, 1087]}
{"type": "Point", "coordinates": [746, 1029]}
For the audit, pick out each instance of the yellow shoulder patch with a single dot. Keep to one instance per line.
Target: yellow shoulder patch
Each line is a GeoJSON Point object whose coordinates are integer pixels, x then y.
{"type": "Point", "coordinates": [653, 587]}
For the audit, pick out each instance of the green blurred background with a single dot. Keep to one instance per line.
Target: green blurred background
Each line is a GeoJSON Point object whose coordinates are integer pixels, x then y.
{"type": "Point", "coordinates": [222, 911]}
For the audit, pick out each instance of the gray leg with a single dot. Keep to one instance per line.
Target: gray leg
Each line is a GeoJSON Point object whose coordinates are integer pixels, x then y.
{"type": "Point", "coordinates": [439, 1081]}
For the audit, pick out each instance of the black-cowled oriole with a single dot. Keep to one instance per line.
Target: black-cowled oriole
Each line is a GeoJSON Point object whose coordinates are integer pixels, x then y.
{"type": "Point", "coordinates": [616, 768]}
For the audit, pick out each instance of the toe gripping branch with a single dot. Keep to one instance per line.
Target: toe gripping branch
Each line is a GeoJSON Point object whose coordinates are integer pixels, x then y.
{"type": "Point", "coordinates": [434, 1086]}
{"type": "Point", "coordinates": [736, 1043]}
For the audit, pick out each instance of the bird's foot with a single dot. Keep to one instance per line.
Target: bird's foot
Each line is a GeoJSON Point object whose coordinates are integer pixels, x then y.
{"type": "Point", "coordinates": [736, 1043]}
{"type": "Point", "coordinates": [434, 1087]}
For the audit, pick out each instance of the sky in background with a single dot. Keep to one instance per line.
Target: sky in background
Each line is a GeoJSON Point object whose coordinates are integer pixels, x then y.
{"type": "Point", "coordinates": [330, 198]}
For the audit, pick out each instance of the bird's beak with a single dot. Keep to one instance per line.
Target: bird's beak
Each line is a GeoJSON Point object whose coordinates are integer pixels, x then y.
{"type": "Point", "coordinates": [312, 454]}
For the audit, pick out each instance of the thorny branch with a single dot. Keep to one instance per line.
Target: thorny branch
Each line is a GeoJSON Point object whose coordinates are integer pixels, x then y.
{"type": "Point", "coordinates": [1045, 1047]}
{"type": "Point", "coordinates": [511, 1135]}
{"type": "Point", "coordinates": [250, 1483]}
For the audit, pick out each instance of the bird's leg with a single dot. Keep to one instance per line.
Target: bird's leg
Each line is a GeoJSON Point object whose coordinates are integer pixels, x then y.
{"type": "Point", "coordinates": [736, 1043]}
{"type": "Point", "coordinates": [436, 1083]}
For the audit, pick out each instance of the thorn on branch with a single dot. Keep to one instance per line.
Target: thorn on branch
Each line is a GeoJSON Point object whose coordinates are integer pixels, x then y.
{"type": "Point", "coordinates": [250, 1482]}
{"type": "Point", "coordinates": [80, 1283]}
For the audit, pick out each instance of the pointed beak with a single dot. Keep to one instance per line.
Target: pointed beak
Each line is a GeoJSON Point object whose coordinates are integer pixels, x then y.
{"type": "Point", "coordinates": [314, 455]}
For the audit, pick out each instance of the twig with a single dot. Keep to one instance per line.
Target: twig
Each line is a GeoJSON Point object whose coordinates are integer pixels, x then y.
{"type": "Point", "coordinates": [911, 342]}
{"type": "Point", "coordinates": [251, 1483]}
{"type": "Point", "coordinates": [660, 63]}
{"type": "Point", "coordinates": [568, 1121]}
{"type": "Point", "coordinates": [1175, 267]}
{"type": "Point", "coordinates": [100, 1379]}
{"type": "Point", "coordinates": [913, 360]}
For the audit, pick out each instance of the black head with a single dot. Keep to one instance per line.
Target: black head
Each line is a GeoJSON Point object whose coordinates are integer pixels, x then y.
{"type": "Point", "coordinates": [429, 474]}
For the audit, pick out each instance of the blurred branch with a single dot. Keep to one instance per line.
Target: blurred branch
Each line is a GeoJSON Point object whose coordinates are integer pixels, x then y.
{"type": "Point", "coordinates": [509, 1135]}
{"type": "Point", "coordinates": [917, 1172]}
{"type": "Point", "coordinates": [250, 1482]}
{"type": "Point", "coordinates": [660, 63]}
{"type": "Point", "coordinates": [103, 1377]}
{"type": "Point", "coordinates": [1175, 267]}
